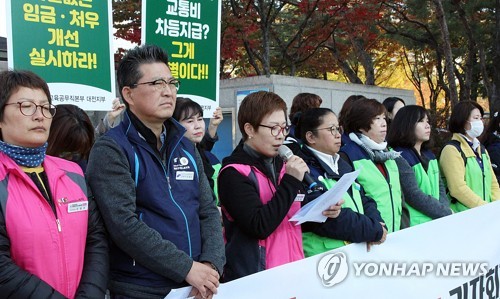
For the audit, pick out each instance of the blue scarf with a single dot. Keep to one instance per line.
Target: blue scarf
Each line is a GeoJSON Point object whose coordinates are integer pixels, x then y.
{"type": "Point", "coordinates": [24, 156]}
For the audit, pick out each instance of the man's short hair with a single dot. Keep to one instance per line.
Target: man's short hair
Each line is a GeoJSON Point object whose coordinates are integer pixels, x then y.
{"type": "Point", "coordinates": [129, 72]}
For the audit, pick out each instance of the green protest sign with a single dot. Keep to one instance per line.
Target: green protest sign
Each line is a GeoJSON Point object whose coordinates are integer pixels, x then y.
{"type": "Point", "coordinates": [68, 43]}
{"type": "Point", "coordinates": [190, 32]}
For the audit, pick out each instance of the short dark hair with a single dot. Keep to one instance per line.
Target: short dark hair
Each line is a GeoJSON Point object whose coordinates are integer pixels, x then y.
{"type": "Point", "coordinates": [12, 80]}
{"type": "Point", "coordinates": [302, 102]}
{"type": "Point", "coordinates": [390, 102]}
{"type": "Point", "coordinates": [256, 106]}
{"type": "Point", "coordinates": [186, 108]}
{"type": "Point", "coordinates": [361, 115]}
{"type": "Point", "coordinates": [129, 72]}
{"type": "Point", "coordinates": [71, 132]}
{"type": "Point", "coordinates": [346, 107]}
{"type": "Point", "coordinates": [460, 115]}
{"type": "Point", "coordinates": [310, 120]}
{"type": "Point", "coordinates": [402, 130]}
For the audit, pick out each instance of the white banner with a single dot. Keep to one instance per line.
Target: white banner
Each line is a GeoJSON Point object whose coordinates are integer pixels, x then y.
{"type": "Point", "coordinates": [453, 257]}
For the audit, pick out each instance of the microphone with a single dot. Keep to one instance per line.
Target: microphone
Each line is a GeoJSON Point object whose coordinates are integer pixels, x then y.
{"type": "Point", "coordinates": [285, 153]}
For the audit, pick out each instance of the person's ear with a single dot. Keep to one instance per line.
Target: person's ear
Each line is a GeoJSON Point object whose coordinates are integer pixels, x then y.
{"type": "Point", "coordinates": [127, 95]}
{"type": "Point", "coordinates": [249, 130]}
{"type": "Point", "coordinates": [310, 138]}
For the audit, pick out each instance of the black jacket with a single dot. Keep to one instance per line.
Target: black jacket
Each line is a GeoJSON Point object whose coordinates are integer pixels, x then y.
{"type": "Point", "coordinates": [349, 225]}
{"type": "Point", "coordinates": [251, 219]}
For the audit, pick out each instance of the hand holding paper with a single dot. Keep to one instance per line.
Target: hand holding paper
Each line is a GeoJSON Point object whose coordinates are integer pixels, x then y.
{"type": "Point", "coordinates": [313, 211]}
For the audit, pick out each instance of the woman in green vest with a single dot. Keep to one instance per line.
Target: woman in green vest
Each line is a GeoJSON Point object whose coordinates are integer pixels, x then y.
{"type": "Point", "coordinates": [366, 149]}
{"type": "Point", "coordinates": [422, 186]}
{"type": "Point", "coordinates": [465, 163]}
{"type": "Point", "coordinates": [359, 219]}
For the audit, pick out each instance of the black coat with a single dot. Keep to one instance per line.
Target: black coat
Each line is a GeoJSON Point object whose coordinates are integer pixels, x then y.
{"type": "Point", "coordinates": [350, 225]}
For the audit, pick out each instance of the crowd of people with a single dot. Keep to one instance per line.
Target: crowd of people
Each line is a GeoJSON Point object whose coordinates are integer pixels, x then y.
{"type": "Point", "coordinates": [139, 205]}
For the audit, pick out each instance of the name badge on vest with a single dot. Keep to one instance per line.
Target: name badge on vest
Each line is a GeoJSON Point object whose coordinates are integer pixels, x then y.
{"type": "Point", "coordinates": [78, 206]}
{"type": "Point", "coordinates": [184, 175]}
{"type": "Point", "coordinates": [299, 197]}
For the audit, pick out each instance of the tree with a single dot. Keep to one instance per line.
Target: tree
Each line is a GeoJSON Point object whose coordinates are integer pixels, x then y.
{"type": "Point", "coordinates": [465, 54]}
{"type": "Point", "coordinates": [446, 48]}
{"type": "Point", "coordinates": [127, 20]}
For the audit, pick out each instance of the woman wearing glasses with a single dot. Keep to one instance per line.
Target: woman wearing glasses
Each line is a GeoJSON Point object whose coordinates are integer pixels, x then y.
{"type": "Point", "coordinates": [259, 193]}
{"type": "Point", "coordinates": [359, 219]}
{"type": "Point", "coordinates": [52, 242]}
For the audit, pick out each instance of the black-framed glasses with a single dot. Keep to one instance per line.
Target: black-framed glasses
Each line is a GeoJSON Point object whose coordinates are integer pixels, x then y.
{"type": "Point", "coordinates": [28, 108]}
{"type": "Point", "coordinates": [161, 84]}
{"type": "Point", "coordinates": [333, 129]}
{"type": "Point", "coordinates": [277, 129]}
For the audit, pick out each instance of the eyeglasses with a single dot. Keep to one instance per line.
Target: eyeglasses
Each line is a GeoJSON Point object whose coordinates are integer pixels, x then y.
{"type": "Point", "coordinates": [28, 108]}
{"type": "Point", "coordinates": [333, 129]}
{"type": "Point", "coordinates": [277, 129]}
{"type": "Point", "coordinates": [161, 84]}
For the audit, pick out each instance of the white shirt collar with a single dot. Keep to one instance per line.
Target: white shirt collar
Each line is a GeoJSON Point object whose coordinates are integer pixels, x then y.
{"type": "Point", "coordinates": [331, 161]}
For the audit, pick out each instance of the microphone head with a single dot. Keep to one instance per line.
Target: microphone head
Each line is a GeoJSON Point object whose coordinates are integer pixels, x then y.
{"type": "Point", "coordinates": [284, 152]}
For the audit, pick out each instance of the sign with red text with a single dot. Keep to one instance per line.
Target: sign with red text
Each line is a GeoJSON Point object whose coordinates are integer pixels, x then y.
{"type": "Point", "coordinates": [68, 43]}
{"type": "Point", "coordinates": [189, 30]}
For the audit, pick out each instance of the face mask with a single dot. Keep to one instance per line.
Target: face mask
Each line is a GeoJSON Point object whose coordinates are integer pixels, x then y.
{"type": "Point", "coordinates": [476, 128]}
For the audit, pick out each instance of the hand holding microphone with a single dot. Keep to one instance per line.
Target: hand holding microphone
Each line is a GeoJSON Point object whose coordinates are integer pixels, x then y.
{"type": "Point", "coordinates": [296, 167]}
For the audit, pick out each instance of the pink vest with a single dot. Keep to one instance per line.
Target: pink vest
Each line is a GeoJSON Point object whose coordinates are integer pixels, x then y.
{"type": "Point", "coordinates": [284, 245]}
{"type": "Point", "coordinates": [52, 249]}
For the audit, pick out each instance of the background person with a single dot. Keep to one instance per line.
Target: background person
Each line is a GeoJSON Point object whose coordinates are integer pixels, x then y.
{"type": "Point", "coordinates": [359, 219]}
{"type": "Point", "coordinates": [419, 172]}
{"type": "Point", "coordinates": [111, 119]}
{"type": "Point", "coordinates": [71, 135]}
{"type": "Point", "coordinates": [392, 105]}
{"type": "Point", "coordinates": [190, 115]}
{"type": "Point", "coordinates": [211, 136]}
{"type": "Point", "coordinates": [465, 163]}
{"type": "Point", "coordinates": [300, 103]}
{"type": "Point", "coordinates": [52, 241]}
{"type": "Point", "coordinates": [491, 139]}
{"type": "Point", "coordinates": [149, 183]}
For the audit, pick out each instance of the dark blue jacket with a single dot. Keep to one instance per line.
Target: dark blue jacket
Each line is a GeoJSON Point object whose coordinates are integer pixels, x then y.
{"type": "Point", "coordinates": [493, 148]}
{"type": "Point", "coordinates": [174, 215]}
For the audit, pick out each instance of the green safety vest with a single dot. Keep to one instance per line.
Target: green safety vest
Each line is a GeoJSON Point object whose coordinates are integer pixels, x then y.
{"type": "Point", "coordinates": [386, 193]}
{"type": "Point", "coordinates": [428, 181]}
{"type": "Point", "coordinates": [314, 244]}
{"type": "Point", "coordinates": [216, 168]}
{"type": "Point", "coordinates": [477, 180]}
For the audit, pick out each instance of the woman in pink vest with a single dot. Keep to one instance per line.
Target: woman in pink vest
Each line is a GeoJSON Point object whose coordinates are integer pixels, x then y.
{"type": "Point", "coordinates": [259, 193]}
{"type": "Point", "coordinates": [52, 241]}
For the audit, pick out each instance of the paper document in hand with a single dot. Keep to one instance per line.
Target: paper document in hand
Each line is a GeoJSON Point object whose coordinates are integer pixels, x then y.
{"type": "Point", "coordinates": [313, 211]}
{"type": "Point", "coordinates": [181, 293]}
